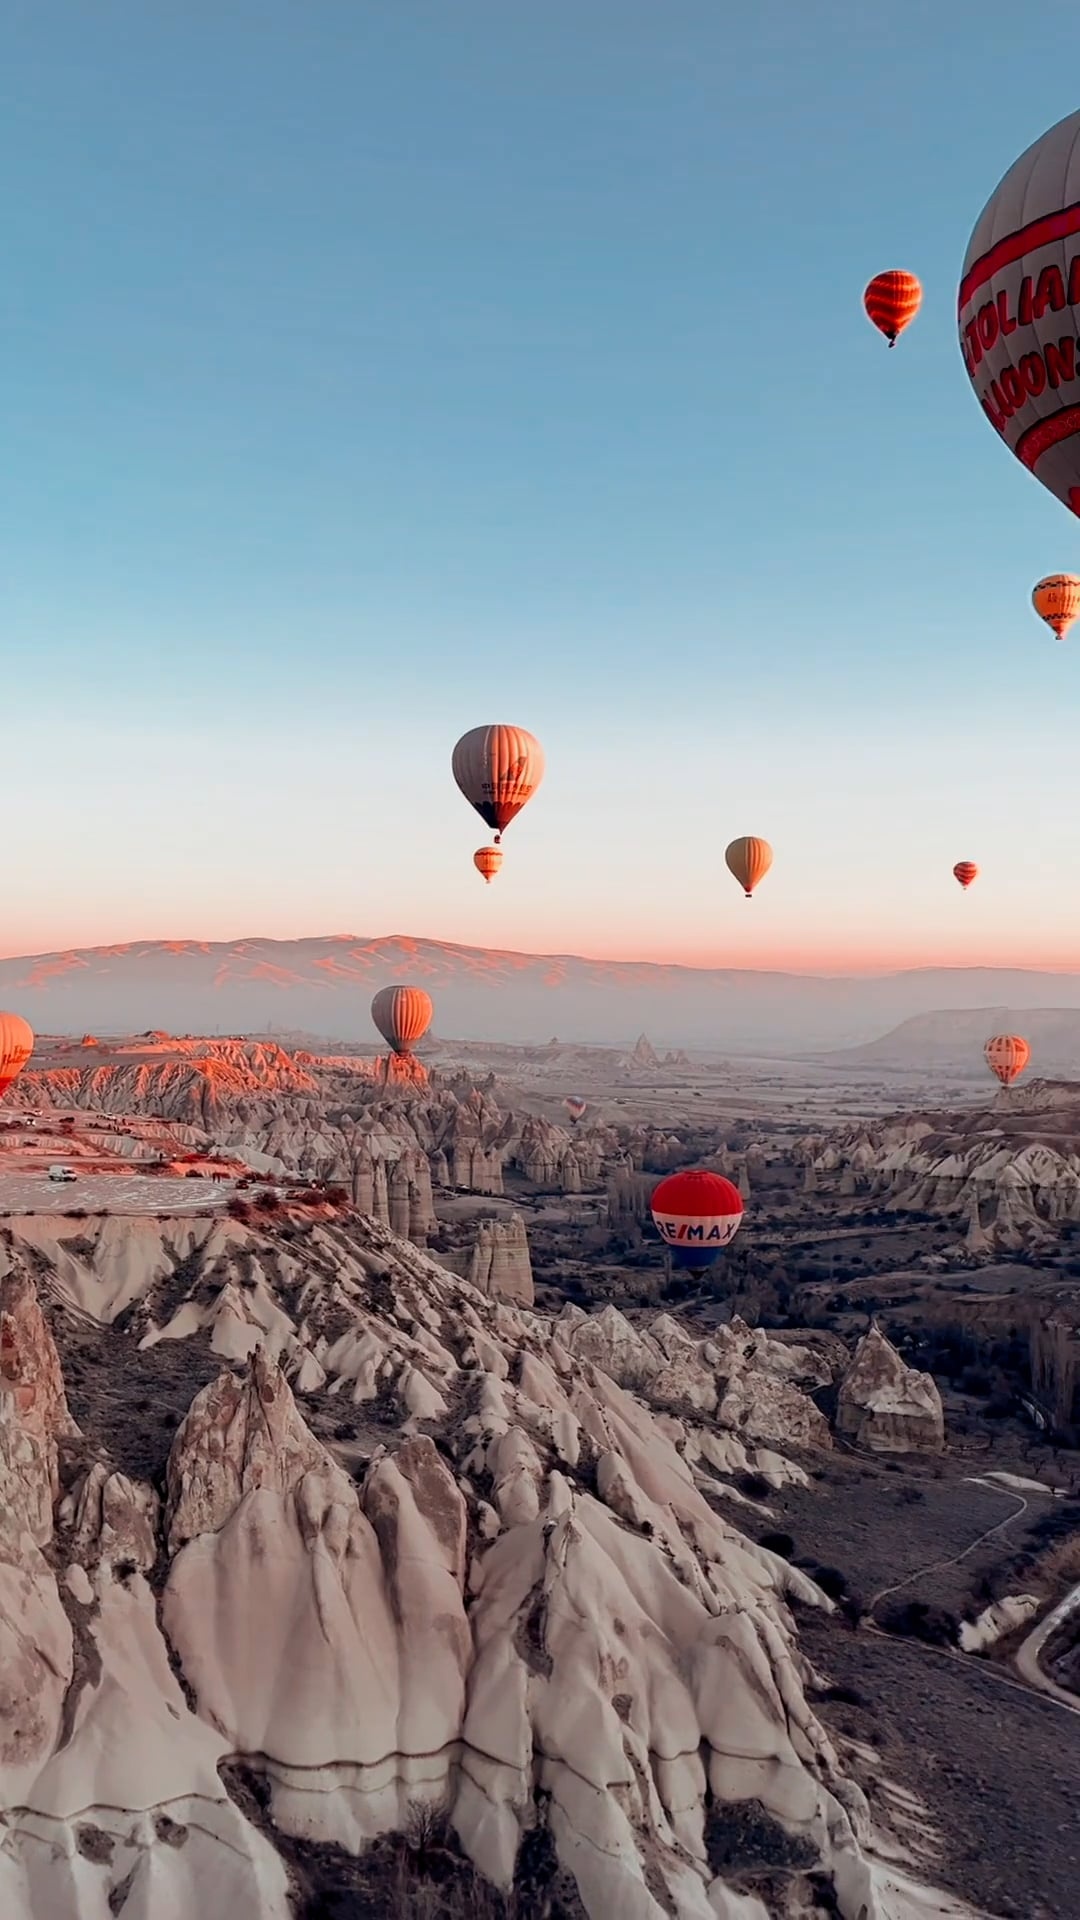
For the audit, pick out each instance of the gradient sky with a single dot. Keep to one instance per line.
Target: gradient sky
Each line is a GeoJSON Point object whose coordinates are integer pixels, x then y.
{"type": "Point", "coordinates": [376, 370]}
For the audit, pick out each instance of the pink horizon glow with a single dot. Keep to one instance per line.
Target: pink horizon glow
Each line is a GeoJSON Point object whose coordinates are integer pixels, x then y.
{"type": "Point", "coordinates": [755, 955]}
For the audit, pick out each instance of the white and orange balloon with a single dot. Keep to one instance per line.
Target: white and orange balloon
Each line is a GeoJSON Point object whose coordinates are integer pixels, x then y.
{"type": "Point", "coordinates": [487, 861]}
{"type": "Point", "coordinates": [1018, 307]}
{"type": "Point", "coordinates": [1007, 1054]}
{"type": "Point", "coordinates": [1057, 601]}
{"type": "Point", "coordinates": [16, 1046]}
{"type": "Point", "coordinates": [749, 859]}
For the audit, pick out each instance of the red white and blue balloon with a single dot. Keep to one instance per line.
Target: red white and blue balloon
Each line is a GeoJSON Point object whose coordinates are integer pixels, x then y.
{"type": "Point", "coordinates": [697, 1214]}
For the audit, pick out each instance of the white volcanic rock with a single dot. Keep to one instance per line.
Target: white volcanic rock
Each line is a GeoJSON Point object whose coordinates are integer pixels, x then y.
{"type": "Point", "coordinates": [541, 1618]}
{"type": "Point", "coordinates": [994, 1621]}
{"type": "Point", "coordinates": [500, 1265]}
{"type": "Point", "coordinates": [1016, 1162]}
{"type": "Point", "coordinates": [885, 1405]}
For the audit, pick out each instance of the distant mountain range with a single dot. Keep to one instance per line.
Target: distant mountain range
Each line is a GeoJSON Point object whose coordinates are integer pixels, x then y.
{"type": "Point", "coordinates": [954, 1041]}
{"type": "Point", "coordinates": [324, 986]}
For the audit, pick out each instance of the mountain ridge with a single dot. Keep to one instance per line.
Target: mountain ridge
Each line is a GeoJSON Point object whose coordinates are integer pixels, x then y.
{"type": "Point", "coordinates": [323, 983]}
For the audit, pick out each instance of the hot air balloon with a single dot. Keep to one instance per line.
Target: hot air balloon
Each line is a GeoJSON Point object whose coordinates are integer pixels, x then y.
{"type": "Point", "coordinates": [576, 1107]}
{"type": "Point", "coordinates": [965, 871]}
{"type": "Point", "coordinates": [498, 770]}
{"type": "Point", "coordinates": [1057, 601]}
{"type": "Point", "coordinates": [402, 1015]}
{"type": "Point", "coordinates": [487, 861]}
{"type": "Point", "coordinates": [1007, 1055]}
{"type": "Point", "coordinates": [1017, 310]}
{"type": "Point", "coordinates": [749, 860]}
{"type": "Point", "coordinates": [892, 300]}
{"type": "Point", "coordinates": [16, 1046]}
{"type": "Point", "coordinates": [696, 1214]}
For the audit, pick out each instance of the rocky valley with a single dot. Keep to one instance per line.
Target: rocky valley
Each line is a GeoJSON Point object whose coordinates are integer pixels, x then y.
{"type": "Point", "coordinates": [389, 1530]}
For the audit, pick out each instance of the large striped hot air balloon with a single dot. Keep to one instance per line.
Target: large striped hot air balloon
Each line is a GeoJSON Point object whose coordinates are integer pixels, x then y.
{"type": "Point", "coordinates": [1006, 1056]}
{"type": "Point", "coordinates": [892, 300]}
{"type": "Point", "coordinates": [965, 871]}
{"type": "Point", "coordinates": [487, 861]}
{"type": "Point", "coordinates": [1057, 601]}
{"type": "Point", "coordinates": [1018, 308]}
{"type": "Point", "coordinates": [749, 859]}
{"type": "Point", "coordinates": [697, 1215]}
{"type": "Point", "coordinates": [498, 769]}
{"type": "Point", "coordinates": [402, 1015]}
{"type": "Point", "coordinates": [16, 1046]}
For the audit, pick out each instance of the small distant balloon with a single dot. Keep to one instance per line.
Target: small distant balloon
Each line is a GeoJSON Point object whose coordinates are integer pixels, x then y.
{"type": "Point", "coordinates": [16, 1046]}
{"type": "Point", "coordinates": [697, 1214]}
{"type": "Point", "coordinates": [892, 300]}
{"type": "Point", "coordinates": [749, 859]}
{"type": "Point", "coordinates": [487, 861]}
{"type": "Point", "coordinates": [965, 871]}
{"type": "Point", "coordinates": [402, 1015]}
{"type": "Point", "coordinates": [498, 769]}
{"type": "Point", "coordinates": [576, 1107]}
{"type": "Point", "coordinates": [1057, 601]}
{"type": "Point", "coordinates": [1006, 1056]}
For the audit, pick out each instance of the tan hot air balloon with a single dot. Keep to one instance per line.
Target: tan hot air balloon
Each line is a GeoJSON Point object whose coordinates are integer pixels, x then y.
{"type": "Point", "coordinates": [498, 770]}
{"type": "Point", "coordinates": [16, 1046]}
{"type": "Point", "coordinates": [487, 861]}
{"type": "Point", "coordinates": [1057, 601]}
{"type": "Point", "coordinates": [402, 1015]}
{"type": "Point", "coordinates": [965, 871]}
{"type": "Point", "coordinates": [1006, 1056]}
{"type": "Point", "coordinates": [749, 859]}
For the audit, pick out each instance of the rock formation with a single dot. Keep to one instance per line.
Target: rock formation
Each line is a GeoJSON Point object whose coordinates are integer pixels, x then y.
{"type": "Point", "coordinates": [532, 1615]}
{"type": "Point", "coordinates": [500, 1265]}
{"type": "Point", "coordinates": [1012, 1170]}
{"type": "Point", "coordinates": [885, 1405]}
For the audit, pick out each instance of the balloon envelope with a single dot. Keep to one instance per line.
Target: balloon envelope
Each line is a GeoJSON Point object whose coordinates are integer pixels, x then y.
{"type": "Point", "coordinates": [966, 871]}
{"type": "Point", "coordinates": [16, 1046]}
{"type": "Point", "coordinates": [575, 1107]}
{"type": "Point", "coordinates": [749, 859]}
{"type": "Point", "coordinates": [696, 1214]}
{"type": "Point", "coordinates": [487, 861]}
{"type": "Point", "coordinates": [498, 769]}
{"type": "Point", "coordinates": [402, 1015]}
{"type": "Point", "coordinates": [892, 300]}
{"type": "Point", "coordinates": [1006, 1056]}
{"type": "Point", "coordinates": [1018, 310]}
{"type": "Point", "coordinates": [1057, 601]}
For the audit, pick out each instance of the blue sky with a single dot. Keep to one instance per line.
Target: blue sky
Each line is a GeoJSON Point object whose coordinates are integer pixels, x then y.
{"type": "Point", "coordinates": [374, 371]}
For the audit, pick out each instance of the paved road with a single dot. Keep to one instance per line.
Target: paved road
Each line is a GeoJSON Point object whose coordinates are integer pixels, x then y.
{"type": "Point", "coordinates": [1027, 1655]}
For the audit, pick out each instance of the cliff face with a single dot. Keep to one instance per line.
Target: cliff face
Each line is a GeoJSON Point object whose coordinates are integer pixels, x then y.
{"type": "Point", "coordinates": [500, 1265]}
{"type": "Point", "coordinates": [1010, 1170]}
{"type": "Point", "coordinates": [529, 1615]}
{"type": "Point", "coordinates": [885, 1405]}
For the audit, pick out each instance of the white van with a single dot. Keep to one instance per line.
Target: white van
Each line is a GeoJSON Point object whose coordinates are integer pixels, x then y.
{"type": "Point", "coordinates": [62, 1173]}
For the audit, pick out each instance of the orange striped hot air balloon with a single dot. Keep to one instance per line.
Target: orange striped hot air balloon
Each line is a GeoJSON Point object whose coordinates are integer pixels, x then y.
{"type": "Point", "coordinates": [749, 859]}
{"type": "Point", "coordinates": [16, 1046]}
{"type": "Point", "coordinates": [965, 871]}
{"type": "Point", "coordinates": [498, 770]}
{"type": "Point", "coordinates": [487, 861]}
{"type": "Point", "coordinates": [1057, 601]}
{"type": "Point", "coordinates": [402, 1015]}
{"type": "Point", "coordinates": [892, 300]}
{"type": "Point", "coordinates": [1006, 1056]}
